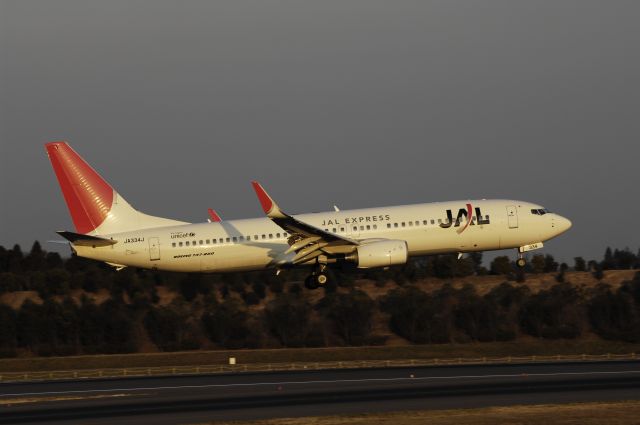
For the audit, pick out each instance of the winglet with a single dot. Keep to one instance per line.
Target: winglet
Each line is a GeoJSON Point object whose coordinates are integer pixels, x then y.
{"type": "Point", "coordinates": [214, 215]}
{"type": "Point", "coordinates": [269, 206]}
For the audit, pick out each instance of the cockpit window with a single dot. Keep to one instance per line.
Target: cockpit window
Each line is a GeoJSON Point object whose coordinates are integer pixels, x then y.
{"type": "Point", "coordinates": [540, 211]}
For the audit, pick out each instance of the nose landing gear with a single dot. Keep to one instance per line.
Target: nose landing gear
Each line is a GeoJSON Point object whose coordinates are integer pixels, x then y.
{"type": "Point", "coordinates": [317, 279]}
{"type": "Point", "coordinates": [521, 261]}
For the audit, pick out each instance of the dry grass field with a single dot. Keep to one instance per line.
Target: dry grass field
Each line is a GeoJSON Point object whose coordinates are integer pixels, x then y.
{"type": "Point", "coordinates": [602, 413]}
{"type": "Point", "coordinates": [522, 347]}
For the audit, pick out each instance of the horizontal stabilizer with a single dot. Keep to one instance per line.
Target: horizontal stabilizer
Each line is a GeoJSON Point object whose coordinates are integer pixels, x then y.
{"type": "Point", "coordinates": [86, 240]}
{"type": "Point", "coordinates": [63, 242]}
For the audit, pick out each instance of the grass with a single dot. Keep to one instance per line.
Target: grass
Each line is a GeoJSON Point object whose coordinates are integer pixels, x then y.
{"type": "Point", "coordinates": [288, 355]}
{"type": "Point", "coordinates": [599, 413]}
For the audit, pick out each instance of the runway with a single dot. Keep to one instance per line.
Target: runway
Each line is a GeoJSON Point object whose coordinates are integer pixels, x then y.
{"type": "Point", "coordinates": [197, 399]}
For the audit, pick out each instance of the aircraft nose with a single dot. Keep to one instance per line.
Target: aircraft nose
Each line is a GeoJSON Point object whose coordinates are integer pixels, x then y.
{"type": "Point", "coordinates": [562, 224]}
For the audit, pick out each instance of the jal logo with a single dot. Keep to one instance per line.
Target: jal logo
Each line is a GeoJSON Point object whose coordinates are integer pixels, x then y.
{"type": "Point", "coordinates": [466, 215]}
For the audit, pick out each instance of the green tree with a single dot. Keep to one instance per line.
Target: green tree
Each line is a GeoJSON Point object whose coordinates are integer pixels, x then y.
{"type": "Point", "coordinates": [537, 264]}
{"type": "Point", "coordinates": [35, 260]}
{"type": "Point", "coordinates": [260, 289]}
{"type": "Point", "coordinates": [14, 259]}
{"type": "Point", "coordinates": [501, 265]}
{"type": "Point", "coordinates": [226, 323]}
{"type": "Point", "coordinates": [417, 316]}
{"type": "Point", "coordinates": [350, 315]}
{"type": "Point", "coordinates": [608, 263]}
{"type": "Point", "coordinates": [556, 313]}
{"type": "Point", "coordinates": [550, 264]}
{"type": "Point", "coordinates": [8, 334]}
{"type": "Point", "coordinates": [624, 259]}
{"type": "Point", "coordinates": [288, 319]}
{"type": "Point", "coordinates": [170, 329]}
{"type": "Point", "coordinates": [616, 315]}
{"type": "Point", "coordinates": [579, 264]}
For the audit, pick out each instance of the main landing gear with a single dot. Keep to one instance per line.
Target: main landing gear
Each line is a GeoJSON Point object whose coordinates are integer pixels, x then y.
{"type": "Point", "coordinates": [317, 279]}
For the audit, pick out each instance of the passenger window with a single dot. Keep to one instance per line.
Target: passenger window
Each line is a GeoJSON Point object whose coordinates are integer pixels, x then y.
{"type": "Point", "coordinates": [173, 244]}
{"type": "Point", "coordinates": [411, 224]}
{"type": "Point", "coordinates": [201, 242]}
{"type": "Point", "coordinates": [228, 240]}
{"type": "Point", "coordinates": [270, 235]}
{"type": "Point", "coordinates": [355, 228]}
{"type": "Point", "coordinates": [264, 236]}
{"type": "Point", "coordinates": [235, 239]}
{"type": "Point", "coordinates": [278, 235]}
{"type": "Point", "coordinates": [284, 234]}
{"type": "Point", "coordinates": [361, 227]}
{"type": "Point", "coordinates": [375, 226]}
{"type": "Point", "coordinates": [433, 221]}
{"type": "Point", "coordinates": [255, 237]}
{"type": "Point", "coordinates": [334, 230]}
{"type": "Point", "coordinates": [388, 225]}
{"type": "Point", "coordinates": [213, 240]}
{"type": "Point", "coordinates": [194, 243]}
{"type": "Point", "coordinates": [368, 227]}
{"type": "Point", "coordinates": [425, 222]}
{"type": "Point", "coordinates": [221, 240]}
{"type": "Point", "coordinates": [403, 224]}
{"type": "Point", "coordinates": [342, 229]}
{"type": "Point", "coordinates": [417, 222]}
{"type": "Point", "coordinates": [439, 221]}
{"type": "Point", "coordinates": [208, 241]}
{"type": "Point", "coordinates": [187, 243]}
{"type": "Point", "coordinates": [180, 244]}
{"type": "Point", "coordinates": [395, 224]}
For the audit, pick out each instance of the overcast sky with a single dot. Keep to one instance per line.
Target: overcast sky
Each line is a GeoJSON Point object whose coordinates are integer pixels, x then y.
{"type": "Point", "coordinates": [355, 103]}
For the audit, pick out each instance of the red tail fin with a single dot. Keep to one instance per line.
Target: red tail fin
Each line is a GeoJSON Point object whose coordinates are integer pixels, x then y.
{"type": "Point", "coordinates": [89, 197]}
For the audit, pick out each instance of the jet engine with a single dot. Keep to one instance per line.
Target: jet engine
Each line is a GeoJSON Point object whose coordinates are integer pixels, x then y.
{"type": "Point", "coordinates": [383, 253]}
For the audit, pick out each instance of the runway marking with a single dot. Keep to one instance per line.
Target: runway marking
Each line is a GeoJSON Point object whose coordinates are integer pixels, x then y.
{"type": "Point", "coordinates": [8, 402]}
{"type": "Point", "coordinates": [335, 381]}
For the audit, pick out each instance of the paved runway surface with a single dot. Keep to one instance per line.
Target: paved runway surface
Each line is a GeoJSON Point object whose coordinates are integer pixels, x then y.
{"type": "Point", "coordinates": [198, 399]}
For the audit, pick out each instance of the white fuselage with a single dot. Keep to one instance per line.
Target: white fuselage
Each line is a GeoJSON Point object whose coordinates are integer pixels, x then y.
{"type": "Point", "coordinates": [254, 244]}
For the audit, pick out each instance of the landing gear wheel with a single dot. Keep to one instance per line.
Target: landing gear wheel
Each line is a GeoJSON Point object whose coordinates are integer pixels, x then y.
{"type": "Point", "coordinates": [310, 282]}
{"type": "Point", "coordinates": [521, 262]}
{"type": "Point", "coordinates": [321, 279]}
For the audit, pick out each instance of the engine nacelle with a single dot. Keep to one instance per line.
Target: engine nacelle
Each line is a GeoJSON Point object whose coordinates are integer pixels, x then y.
{"type": "Point", "coordinates": [383, 253]}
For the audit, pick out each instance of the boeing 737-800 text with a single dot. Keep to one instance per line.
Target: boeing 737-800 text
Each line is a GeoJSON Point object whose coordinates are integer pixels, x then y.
{"type": "Point", "coordinates": [108, 229]}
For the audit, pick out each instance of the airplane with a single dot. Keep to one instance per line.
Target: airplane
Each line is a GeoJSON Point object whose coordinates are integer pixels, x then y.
{"type": "Point", "coordinates": [109, 229]}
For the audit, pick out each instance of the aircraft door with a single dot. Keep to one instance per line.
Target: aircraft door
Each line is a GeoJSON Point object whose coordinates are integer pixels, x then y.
{"type": "Point", "coordinates": [512, 216]}
{"type": "Point", "coordinates": [154, 249]}
{"type": "Point", "coordinates": [352, 230]}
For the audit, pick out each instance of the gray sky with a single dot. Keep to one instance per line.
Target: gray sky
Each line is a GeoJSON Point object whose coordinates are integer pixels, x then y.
{"type": "Point", "coordinates": [355, 103]}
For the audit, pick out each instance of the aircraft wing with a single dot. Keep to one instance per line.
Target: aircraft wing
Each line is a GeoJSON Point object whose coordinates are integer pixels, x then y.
{"type": "Point", "coordinates": [306, 240]}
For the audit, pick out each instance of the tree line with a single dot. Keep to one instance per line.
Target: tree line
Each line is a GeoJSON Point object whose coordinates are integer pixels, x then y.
{"type": "Point", "coordinates": [260, 309]}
